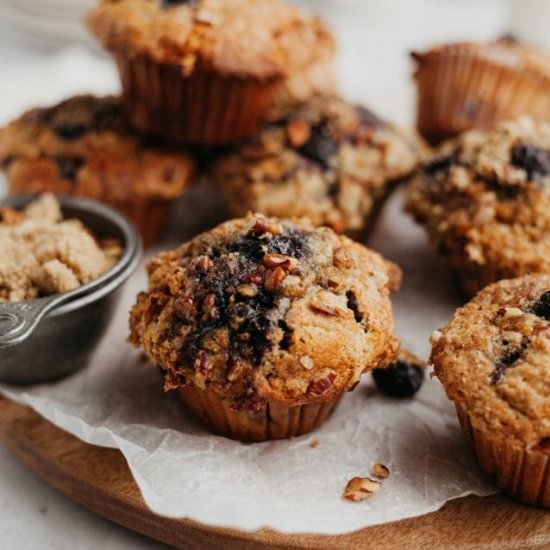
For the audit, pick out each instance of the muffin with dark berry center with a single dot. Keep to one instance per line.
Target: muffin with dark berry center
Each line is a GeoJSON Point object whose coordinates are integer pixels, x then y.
{"type": "Point", "coordinates": [326, 159]}
{"type": "Point", "coordinates": [484, 199]}
{"type": "Point", "coordinates": [262, 324]}
{"type": "Point", "coordinates": [493, 359]}
{"type": "Point", "coordinates": [84, 146]}
{"type": "Point", "coordinates": [206, 71]}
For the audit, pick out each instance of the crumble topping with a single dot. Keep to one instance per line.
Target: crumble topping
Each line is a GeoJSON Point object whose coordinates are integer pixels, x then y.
{"type": "Point", "coordinates": [45, 254]}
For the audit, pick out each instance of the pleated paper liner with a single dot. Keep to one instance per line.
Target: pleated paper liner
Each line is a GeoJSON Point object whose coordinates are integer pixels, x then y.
{"type": "Point", "coordinates": [203, 108]}
{"type": "Point", "coordinates": [464, 88]}
{"type": "Point", "coordinates": [272, 421]}
{"type": "Point", "coordinates": [523, 473]}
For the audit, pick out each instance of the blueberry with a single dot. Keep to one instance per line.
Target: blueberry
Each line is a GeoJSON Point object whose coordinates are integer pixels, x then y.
{"type": "Point", "coordinates": [169, 3]}
{"type": "Point", "coordinates": [534, 160]}
{"type": "Point", "coordinates": [400, 379]}
{"type": "Point", "coordinates": [320, 147]}
{"type": "Point", "coordinates": [541, 308]}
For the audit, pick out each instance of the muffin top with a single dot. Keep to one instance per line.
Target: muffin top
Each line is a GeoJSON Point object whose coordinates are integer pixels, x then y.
{"type": "Point", "coordinates": [44, 254]}
{"type": "Point", "coordinates": [245, 38]}
{"type": "Point", "coordinates": [325, 159]}
{"type": "Point", "coordinates": [84, 146]}
{"type": "Point", "coordinates": [505, 51]}
{"type": "Point", "coordinates": [487, 197]}
{"type": "Point", "coordinates": [262, 309]}
{"type": "Point", "coordinates": [494, 359]}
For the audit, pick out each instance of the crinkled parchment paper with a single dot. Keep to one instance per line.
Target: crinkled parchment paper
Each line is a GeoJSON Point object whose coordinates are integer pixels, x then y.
{"type": "Point", "coordinates": [289, 486]}
{"type": "Point", "coordinates": [183, 471]}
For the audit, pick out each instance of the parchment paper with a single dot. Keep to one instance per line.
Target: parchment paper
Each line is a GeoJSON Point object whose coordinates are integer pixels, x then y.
{"type": "Point", "coordinates": [182, 471]}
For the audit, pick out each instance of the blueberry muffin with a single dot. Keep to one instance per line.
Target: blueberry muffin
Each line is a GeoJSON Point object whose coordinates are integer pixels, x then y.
{"type": "Point", "coordinates": [205, 71]}
{"type": "Point", "coordinates": [83, 146]}
{"type": "Point", "coordinates": [326, 159]}
{"type": "Point", "coordinates": [493, 359]}
{"type": "Point", "coordinates": [475, 85]}
{"type": "Point", "coordinates": [261, 325]}
{"type": "Point", "coordinates": [485, 201]}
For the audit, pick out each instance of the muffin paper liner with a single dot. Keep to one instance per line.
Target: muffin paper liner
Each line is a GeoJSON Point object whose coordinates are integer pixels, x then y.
{"type": "Point", "coordinates": [151, 217]}
{"type": "Point", "coordinates": [462, 90]}
{"type": "Point", "coordinates": [523, 473]}
{"type": "Point", "coordinates": [272, 421]}
{"type": "Point", "coordinates": [203, 109]}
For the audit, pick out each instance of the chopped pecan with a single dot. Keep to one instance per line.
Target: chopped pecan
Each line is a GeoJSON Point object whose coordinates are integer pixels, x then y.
{"type": "Point", "coordinates": [380, 471]}
{"type": "Point", "coordinates": [317, 388]}
{"type": "Point", "coordinates": [273, 278]}
{"type": "Point", "coordinates": [209, 301]}
{"type": "Point", "coordinates": [298, 132]}
{"type": "Point", "coordinates": [203, 264]}
{"type": "Point", "coordinates": [360, 488]}
{"type": "Point", "coordinates": [263, 225]}
{"type": "Point", "coordinates": [324, 302]}
{"type": "Point", "coordinates": [253, 278]}
{"type": "Point", "coordinates": [274, 260]}
{"type": "Point", "coordinates": [342, 258]}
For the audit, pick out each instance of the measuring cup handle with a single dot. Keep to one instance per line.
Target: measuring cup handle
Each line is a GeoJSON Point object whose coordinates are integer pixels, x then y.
{"type": "Point", "coordinates": [18, 320]}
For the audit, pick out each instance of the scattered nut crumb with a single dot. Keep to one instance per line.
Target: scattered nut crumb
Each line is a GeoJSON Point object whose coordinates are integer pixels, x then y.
{"type": "Point", "coordinates": [361, 488]}
{"type": "Point", "coordinates": [306, 362]}
{"type": "Point", "coordinates": [380, 471]}
{"type": "Point", "coordinates": [314, 443]}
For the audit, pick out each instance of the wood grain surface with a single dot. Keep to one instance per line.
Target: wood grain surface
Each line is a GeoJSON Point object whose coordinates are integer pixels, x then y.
{"type": "Point", "coordinates": [100, 480]}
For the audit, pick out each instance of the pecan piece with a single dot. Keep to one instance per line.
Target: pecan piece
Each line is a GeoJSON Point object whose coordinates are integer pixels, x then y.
{"type": "Point", "coordinates": [380, 471]}
{"type": "Point", "coordinates": [317, 388]}
{"type": "Point", "coordinates": [263, 225]}
{"type": "Point", "coordinates": [203, 264]}
{"type": "Point", "coordinates": [360, 488]}
{"type": "Point", "coordinates": [298, 132]}
{"type": "Point", "coordinates": [275, 260]}
{"type": "Point", "coordinates": [273, 278]}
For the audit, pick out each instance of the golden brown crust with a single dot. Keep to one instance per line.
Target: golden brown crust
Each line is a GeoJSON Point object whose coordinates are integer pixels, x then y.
{"type": "Point", "coordinates": [83, 146]}
{"type": "Point", "coordinates": [248, 38]}
{"type": "Point", "coordinates": [485, 201]}
{"type": "Point", "coordinates": [261, 310]}
{"type": "Point", "coordinates": [493, 359]}
{"type": "Point", "coordinates": [325, 159]}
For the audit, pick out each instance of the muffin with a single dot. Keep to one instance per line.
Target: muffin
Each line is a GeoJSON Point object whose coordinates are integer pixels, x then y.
{"type": "Point", "coordinates": [319, 78]}
{"type": "Point", "coordinates": [326, 159]}
{"type": "Point", "coordinates": [83, 146]}
{"type": "Point", "coordinates": [493, 359]}
{"type": "Point", "coordinates": [485, 201]}
{"type": "Point", "coordinates": [261, 325]}
{"type": "Point", "coordinates": [475, 85]}
{"type": "Point", "coordinates": [205, 72]}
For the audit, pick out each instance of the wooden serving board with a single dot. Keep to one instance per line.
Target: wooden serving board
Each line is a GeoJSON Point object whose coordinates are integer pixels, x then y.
{"type": "Point", "coordinates": [100, 480]}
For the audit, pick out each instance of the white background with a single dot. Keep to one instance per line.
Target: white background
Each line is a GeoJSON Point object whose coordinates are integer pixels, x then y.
{"type": "Point", "coordinates": [374, 37]}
